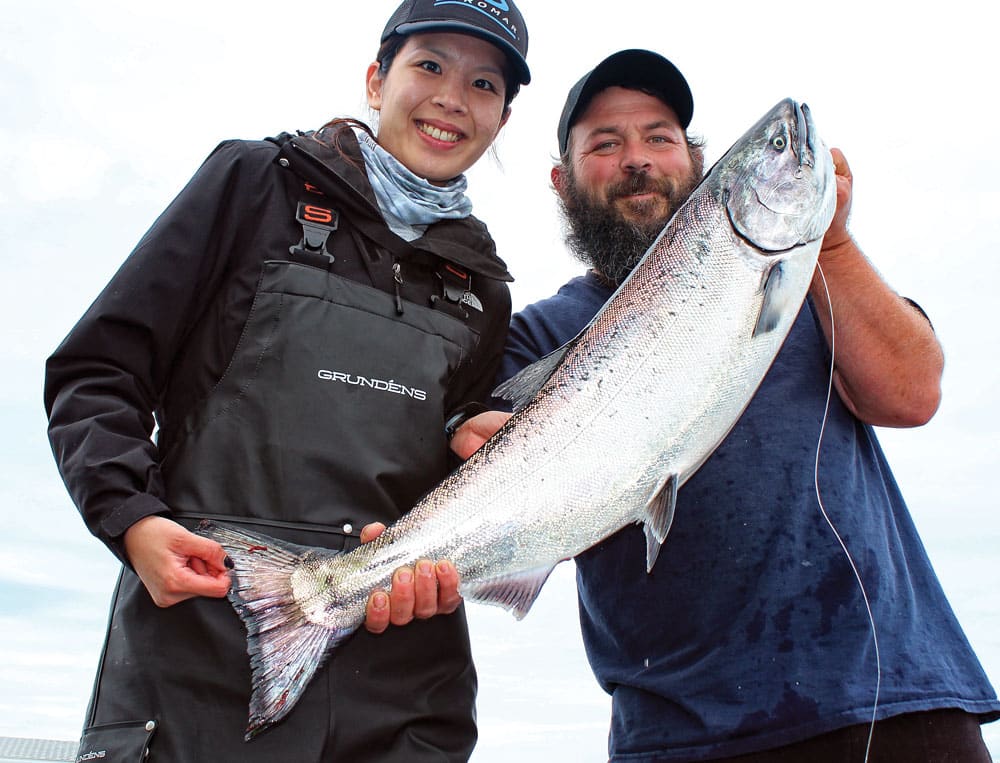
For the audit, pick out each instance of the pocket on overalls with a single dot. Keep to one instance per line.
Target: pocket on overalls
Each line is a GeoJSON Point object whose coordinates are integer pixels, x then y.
{"type": "Point", "coordinates": [123, 742]}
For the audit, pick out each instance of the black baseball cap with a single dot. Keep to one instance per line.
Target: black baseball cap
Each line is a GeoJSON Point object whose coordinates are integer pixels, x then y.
{"type": "Point", "coordinates": [634, 69]}
{"type": "Point", "coordinates": [497, 22]}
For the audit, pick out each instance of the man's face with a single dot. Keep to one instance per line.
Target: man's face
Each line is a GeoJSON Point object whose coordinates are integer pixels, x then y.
{"type": "Point", "coordinates": [629, 168]}
{"type": "Point", "coordinates": [629, 152]}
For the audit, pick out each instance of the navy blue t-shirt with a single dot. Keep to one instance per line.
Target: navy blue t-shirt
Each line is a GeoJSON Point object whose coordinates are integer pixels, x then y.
{"type": "Point", "coordinates": [751, 632]}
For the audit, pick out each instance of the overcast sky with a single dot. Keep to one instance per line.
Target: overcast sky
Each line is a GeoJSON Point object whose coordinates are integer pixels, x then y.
{"type": "Point", "coordinates": [110, 106]}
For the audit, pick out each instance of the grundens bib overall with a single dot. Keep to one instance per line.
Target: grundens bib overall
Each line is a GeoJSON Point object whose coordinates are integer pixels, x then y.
{"type": "Point", "coordinates": [286, 445]}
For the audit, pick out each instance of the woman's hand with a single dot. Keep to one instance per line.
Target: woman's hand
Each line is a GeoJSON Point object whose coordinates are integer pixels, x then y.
{"type": "Point", "coordinates": [175, 564]}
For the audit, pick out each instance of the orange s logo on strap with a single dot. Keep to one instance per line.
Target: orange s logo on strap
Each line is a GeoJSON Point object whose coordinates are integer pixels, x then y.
{"type": "Point", "coordinates": [313, 214]}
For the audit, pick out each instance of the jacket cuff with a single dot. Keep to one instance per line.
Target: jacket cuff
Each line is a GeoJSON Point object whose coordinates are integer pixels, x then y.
{"type": "Point", "coordinates": [124, 516]}
{"type": "Point", "coordinates": [460, 415]}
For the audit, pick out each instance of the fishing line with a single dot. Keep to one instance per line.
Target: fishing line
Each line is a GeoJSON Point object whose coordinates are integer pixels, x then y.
{"type": "Point", "coordinates": [836, 534]}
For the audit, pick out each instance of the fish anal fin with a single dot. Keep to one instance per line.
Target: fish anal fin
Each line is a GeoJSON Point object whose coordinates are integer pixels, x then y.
{"type": "Point", "coordinates": [659, 516]}
{"type": "Point", "coordinates": [775, 303]}
{"type": "Point", "coordinates": [515, 593]}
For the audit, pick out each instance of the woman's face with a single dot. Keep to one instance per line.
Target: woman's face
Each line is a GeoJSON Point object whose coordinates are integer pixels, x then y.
{"type": "Point", "coordinates": [441, 103]}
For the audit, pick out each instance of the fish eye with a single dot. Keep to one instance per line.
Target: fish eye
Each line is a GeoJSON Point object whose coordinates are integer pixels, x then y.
{"type": "Point", "coordinates": [779, 142]}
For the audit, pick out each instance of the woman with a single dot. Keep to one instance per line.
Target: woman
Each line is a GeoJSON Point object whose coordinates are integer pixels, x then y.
{"type": "Point", "coordinates": [296, 327]}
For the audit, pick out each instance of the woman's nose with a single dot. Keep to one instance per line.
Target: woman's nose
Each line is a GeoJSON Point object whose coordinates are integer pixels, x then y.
{"type": "Point", "coordinates": [450, 95]}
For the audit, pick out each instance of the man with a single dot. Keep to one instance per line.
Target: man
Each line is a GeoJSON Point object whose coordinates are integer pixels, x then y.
{"type": "Point", "coordinates": [751, 636]}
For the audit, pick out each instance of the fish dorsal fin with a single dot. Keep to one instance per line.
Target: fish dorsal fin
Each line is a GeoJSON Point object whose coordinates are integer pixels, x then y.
{"type": "Point", "coordinates": [524, 385]}
{"type": "Point", "coordinates": [515, 593]}
{"type": "Point", "coordinates": [659, 516]}
{"type": "Point", "coordinates": [775, 303]}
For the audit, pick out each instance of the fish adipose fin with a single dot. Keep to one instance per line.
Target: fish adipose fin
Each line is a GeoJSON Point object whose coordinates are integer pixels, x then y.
{"type": "Point", "coordinates": [776, 302]}
{"type": "Point", "coordinates": [524, 385]}
{"type": "Point", "coordinates": [515, 593]}
{"type": "Point", "coordinates": [659, 517]}
{"type": "Point", "coordinates": [285, 648]}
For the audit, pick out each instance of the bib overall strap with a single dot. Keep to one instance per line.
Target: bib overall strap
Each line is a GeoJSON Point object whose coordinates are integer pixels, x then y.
{"type": "Point", "coordinates": [318, 221]}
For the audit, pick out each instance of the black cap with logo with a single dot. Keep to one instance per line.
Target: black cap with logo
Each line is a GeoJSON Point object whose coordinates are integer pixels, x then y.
{"type": "Point", "coordinates": [634, 69]}
{"type": "Point", "coordinates": [496, 21]}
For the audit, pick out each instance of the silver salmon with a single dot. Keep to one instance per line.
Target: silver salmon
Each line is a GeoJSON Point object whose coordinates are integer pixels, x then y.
{"type": "Point", "coordinates": [605, 430]}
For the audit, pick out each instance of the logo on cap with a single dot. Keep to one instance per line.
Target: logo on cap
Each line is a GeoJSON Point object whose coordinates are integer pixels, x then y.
{"type": "Point", "coordinates": [493, 10]}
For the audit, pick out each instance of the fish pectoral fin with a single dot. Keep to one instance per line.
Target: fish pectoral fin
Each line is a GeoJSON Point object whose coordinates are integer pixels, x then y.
{"type": "Point", "coordinates": [524, 385]}
{"type": "Point", "coordinates": [515, 593]}
{"type": "Point", "coordinates": [775, 304]}
{"type": "Point", "coordinates": [659, 516]}
{"type": "Point", "coordinates": [285, 647]}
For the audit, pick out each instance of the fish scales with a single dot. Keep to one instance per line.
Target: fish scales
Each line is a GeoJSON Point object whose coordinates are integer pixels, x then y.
{"type": "Point", "coordinates": [604, 431]}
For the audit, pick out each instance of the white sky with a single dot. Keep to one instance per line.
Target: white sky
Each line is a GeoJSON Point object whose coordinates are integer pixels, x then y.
{"type": "Point", "coordinates": [110, 106]}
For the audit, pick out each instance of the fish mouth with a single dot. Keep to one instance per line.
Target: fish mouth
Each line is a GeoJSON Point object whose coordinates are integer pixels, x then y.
{"type": "Point", "coordinates": [806, 134]}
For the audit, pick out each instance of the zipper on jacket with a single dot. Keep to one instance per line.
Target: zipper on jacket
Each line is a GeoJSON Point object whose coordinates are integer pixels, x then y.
{"type": "Point", "coordinates": [397, 281]}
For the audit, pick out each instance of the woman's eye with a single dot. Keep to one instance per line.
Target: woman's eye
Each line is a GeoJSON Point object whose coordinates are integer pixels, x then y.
{"type": "Point", "coordinates": [484, 84]}
{"type": "Point", "coordinates": [431, 66]}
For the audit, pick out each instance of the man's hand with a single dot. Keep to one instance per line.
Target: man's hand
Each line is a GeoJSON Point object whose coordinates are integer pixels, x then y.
{"type": "Point", "coordinates": [175, 564]}
{"type": "Point", "coordinates": [837, 234]}
{"type": "Point", "coordinates": [471, 436]}
{"type": "Point", "coordinates": [420, 592]}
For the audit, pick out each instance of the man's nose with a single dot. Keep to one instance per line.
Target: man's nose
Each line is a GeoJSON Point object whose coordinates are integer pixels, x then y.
{"type": "Point", "coordinates": [635, 158]}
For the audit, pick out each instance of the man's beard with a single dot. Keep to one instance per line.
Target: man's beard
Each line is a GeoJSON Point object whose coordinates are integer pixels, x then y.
{"type": "Point", "coordinates": [600, 236]}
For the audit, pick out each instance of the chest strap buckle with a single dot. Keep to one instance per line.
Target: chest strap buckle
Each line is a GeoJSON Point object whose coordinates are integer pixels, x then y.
{"type": "Point", "coordinates": [317, 225]}
{"type": "Point", "coordinates": [456, 290]}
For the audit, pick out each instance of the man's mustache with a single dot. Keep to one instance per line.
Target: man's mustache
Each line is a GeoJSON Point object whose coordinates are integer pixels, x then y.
{"type": "Point", "coordinates": [640, 183]}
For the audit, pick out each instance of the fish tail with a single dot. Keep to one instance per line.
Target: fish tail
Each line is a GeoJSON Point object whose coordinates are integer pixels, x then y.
{"type": "Point", "coordinates": [285, 647]}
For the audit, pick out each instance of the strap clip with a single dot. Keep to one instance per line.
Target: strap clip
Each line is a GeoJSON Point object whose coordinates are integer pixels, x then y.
{"type": "Point", "coordinates": [317, 225]}
{"type": "Point", "coordinates": [456, 289]}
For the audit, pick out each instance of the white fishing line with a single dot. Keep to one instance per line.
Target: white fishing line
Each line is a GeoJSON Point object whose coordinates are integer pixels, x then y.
{"type": "Point", "coordinates": [836, 534]}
